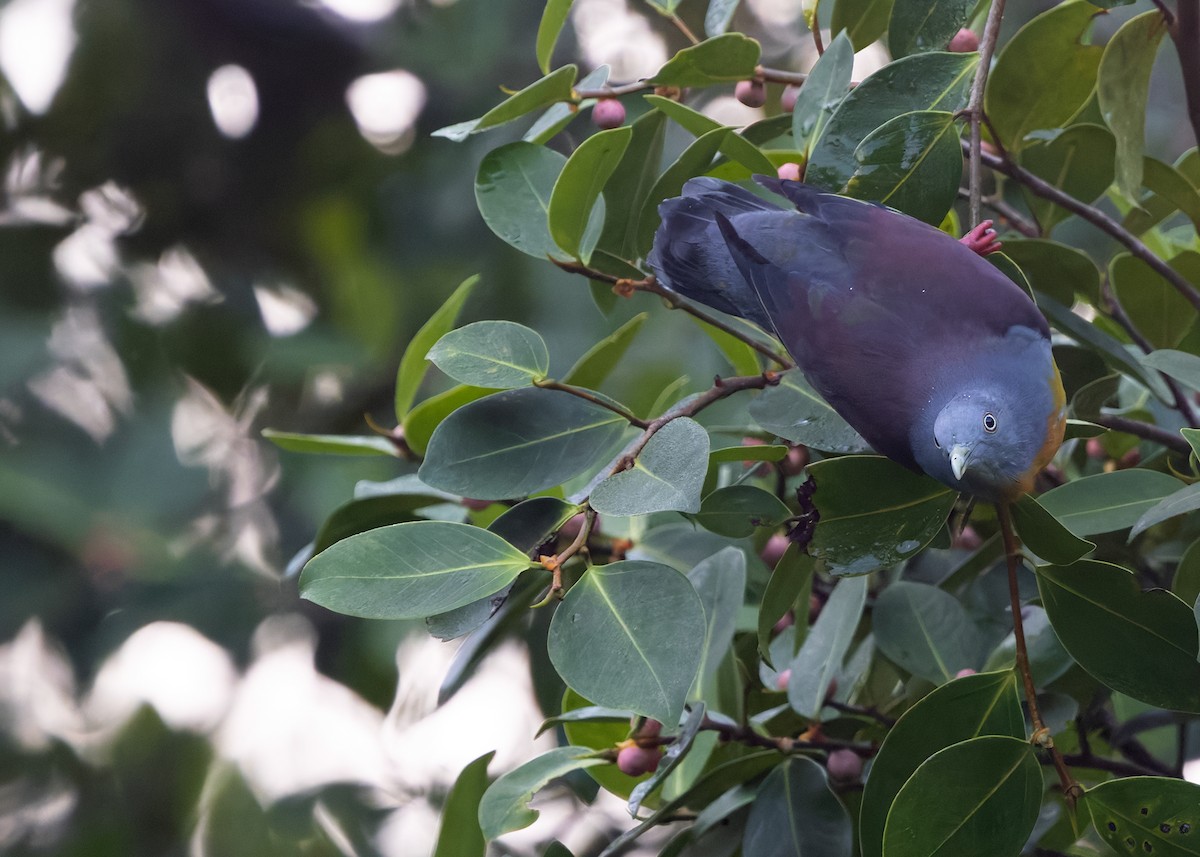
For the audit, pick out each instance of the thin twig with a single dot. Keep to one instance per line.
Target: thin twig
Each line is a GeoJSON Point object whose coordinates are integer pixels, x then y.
{"type": "Point", "coordinates": [1027, 227]}
{"type": "Point", "coordinates": [816, 34]}
{"type": "Point", "coordinates": [772, 75]}
{"type": "Point", "coordinates": [1041, 735]}
{"type": "Point", "coordinates": [1167, 14]}
{"type": "Point", "coordinates": [554, 563]}
{"type": "Point", "coordinates": [1099, 763]}
{"type": "Point", "coordinates": [784, 744]}
{"type": "Point", "coordinates": [685, 29]}
{"type": "Point", "coordinates": [987, 46]}
{"type": "Point", "coordinates": [1097, 218]}
{"type": "Point", "coordinates": [1146, 431]}
{"type": "Point", "coordinates": [873, 713]}
{"type": "Point", "coordinates": [587, 395]}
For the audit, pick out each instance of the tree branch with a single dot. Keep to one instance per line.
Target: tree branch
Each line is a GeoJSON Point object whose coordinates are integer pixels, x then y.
{"type": "Point", "coordinates": [1097, 218]}
{"type": "Point", "coordinates": [1185, 32]}
{"type": "Point", "coordinates": [1007, 214]}
{"type": "Point", "coordinates": [1113, 766]}
{"type": "Point", "coordinates": [987, 46]}
{"type": "Point", "coordinates": [587, 395]}
{"type": "Point", "coordinates": [1146, 431]}
{"type": "Point", "coordinates": [774, 75]}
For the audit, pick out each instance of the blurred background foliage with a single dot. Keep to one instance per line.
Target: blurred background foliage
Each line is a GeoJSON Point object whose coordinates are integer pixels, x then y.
{"type": "Point", "coordinates": [220, 215]}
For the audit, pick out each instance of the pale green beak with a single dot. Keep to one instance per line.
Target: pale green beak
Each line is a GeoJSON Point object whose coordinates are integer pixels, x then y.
{"type": "Point", "coordinates": [959, 454]}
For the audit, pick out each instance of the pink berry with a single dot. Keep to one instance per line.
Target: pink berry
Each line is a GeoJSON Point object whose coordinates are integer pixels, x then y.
{"type": "Point", "coordinates": [1096, 450]}
{"type": "Point", "coordinates": [1131, 459]}
{"type": "Point", "coordinates": [787, 100]}
{"type": "Point", "coordinates": [968, 539]}
{"type": "Point", "coordinates": [964, 42]}
{"type": "Point", "coordinates": [789, 172]}
{"type": "Point", "coordinates": [476, 505]}
{"type": "Point", "coordinates": [636, 761]}
{"type": "Point", "coordinates": [752, 93]}
{"type": "Point", "coordinates": [785, 621]}
{"type": "Point", "coordinates": [773, 550]}
{"type": "Point", "coordinates": [781, 680]}
{"type": "Point", "coordinates": [608, 113]}
{"type": "Point", "coordinates": [844, 766]}
{"type": "Point", "coordinates": [796, 460]}
{"type": "Point", "coordinates": [964, 672]}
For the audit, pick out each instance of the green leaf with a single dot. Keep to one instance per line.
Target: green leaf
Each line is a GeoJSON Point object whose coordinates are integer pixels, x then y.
{"type": "Point", "coordinates": [420, 422]}
{"type": "Point", "coordinates": [912, 163]}
{"type": "Point", "coordinates": [863, 20]}
{"type": "Point", "coordinates": [367, 513]}
{"type": "Point", "coordinates": [599, 735]}
{"type": "Point", "coordinates": [1147, 815]}
{"type": "Point", "coordinates": [667, 474]}
{"type": "Point", "coordinates": [932, 81]}
{"type": "Point", "coordinates": [578, 188]}
{"type": "Point", "coordinates": [558, 116]}
{"type": "Point", "coordinates": [695, 159]}
{"type": "Point", "coordinates": [1155, 307]}
{"type": "Point", "coordinates": [979, 797]}
{"type": "Point", "coordinates": [1186, 583]}
{"type": "Point", "coordinates": [675, 753]}
{"type": "Point", "coordinates": [926, 25]}
{"type": "Point", "coordinates": [982, 704]}
{"type": "Point", "coordinates": [926, 631]}
{"type": "Point", "coordinates": [505, 805]}
{"type": "Point", "coordinates": [1179, 365]}
{"type": "Point", "coordinates": [820, 657]}
{"type": "Point", "coordinates": [827, 85]}
{"type": "Point", "coordinates": [794, 813]}
{"type": "Point", "coordinates": [1174, 189]}
{"type": "Point", "coordinates": [556, 86]}
{"type": "Point", "coordinates": [460, 835]}
{"type": "Point", "coordinates": [628, 635]}
{"type": "Point", "coordinates": [1186, 499]}
{"type": "Point", "coordinates": [791, 578]}
{"type": "Point", "coordinates": [719, 16]}
{"type": "Point", "coordinates": [742, 358]}
{"type": "Point", "coordinates": [1142, 644]}
{"type": "Point", "coordinates": [874, 513]}
{"type": "Point", "coordinates": [512, 190]}
{"type": "Point", "coordinates": [1122, 85]}
{"type": "Point", "coordinates": [626, 192]}
{"type": "Point", "coordinates": [518, 442]}
{"type": "Point", "coordinates": [795, 411]}
{"type": "Point", "coordinates": [692, 121]}
{"type": "Point", "coordinates": [752, 452]}
{"type": "Point", "coordinates": [1107, 502]}
{"type": "Point", "coordinates": [331, 444]}
{"type": "Point", "coordinates": [1078, 160]}
{"type": "Point", "coordinates": [1055, 269]}
{"type": "Point", "coordinates": [723, 59]}
{"type": "Point", "coordinates": [1043, 75]}
{"type": "Point", "coordinates": [553, 18]}
{"type": "Point", "coordinates": [720, 581]}
{"type": "Point", "coordinates": [738, 510]}
{"type": "Point", "coordinates": [413, 364]}
{"type": "Point", "coordinates": [412, 570]}
{"type": "Point", "coordinates": [495, 354]}
{"type": "Point", "coordinates": [597, 363]}
{"type": "Point", "coordinates": [1045, 535]}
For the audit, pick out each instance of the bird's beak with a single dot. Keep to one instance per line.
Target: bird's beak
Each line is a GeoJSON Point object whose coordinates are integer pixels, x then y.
{"type": "Point", "coordinates": [959, 454]}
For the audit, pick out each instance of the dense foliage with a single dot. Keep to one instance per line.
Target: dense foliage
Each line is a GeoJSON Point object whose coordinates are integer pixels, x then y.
{"type": "Point", "coordinates": [882, 634]}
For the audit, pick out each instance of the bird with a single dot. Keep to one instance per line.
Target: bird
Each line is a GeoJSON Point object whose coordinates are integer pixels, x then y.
{"type": "Point", "coordinates": [934, 356]}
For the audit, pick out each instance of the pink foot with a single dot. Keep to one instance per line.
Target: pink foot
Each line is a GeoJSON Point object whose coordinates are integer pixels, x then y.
{"type": "Point", "coordinates": [982, 239]}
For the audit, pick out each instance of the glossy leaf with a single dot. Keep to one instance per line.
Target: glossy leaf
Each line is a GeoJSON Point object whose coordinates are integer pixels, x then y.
{"type": "Point", "coordinates": [496, 354]}
{"type": "Point", "coordinates": [626, 192]}
{"type": "Point", "coordinates": [598, 362]}
{"type": "Point", "coordinates": [694, 160]}
{"type": "Point", "coordinates": [413, 364]}
{"type": "Point", "coordinates": [512, 189]}
{"type": "Point", "coordinates": [1046, 535]}
{"type": "Point", "coordinates": [599, 733]}
{"type": "Point", "coordinates": [411, 570]}
{"type": "Point", "coordinates": [738, 510]}
{"type": "Point", "coordinates": [820, 657]}
{"type": "Point", "coordinates": [647, 621]}
{"type": "Point", "coordinates": [554, 16]}
{"type": "Point", "coordinates": [555, 86]}
{"type": "Point", "coordinates": [675, 753]}
{"type": "Point", "coordinates": [518, 442]}
{"type": "Point", "coordinates": [667, 474]}
{"type": "Point", "coordinates": [1186, 583]}
{"type": "Point", "coordinates": [1142, 644]}
{"type": "Point", "coordinates": [367, 513]}
{"type": "Point", "coordinates": [978, 797]}
{"type": "Point", "coordinates": [874, 513]}
{"type": "Point", "coordinates": [1147, 815]}
{"type": "Point", "coordinates": [1122, 87]}
{"type": "Point", "coordinates": [1155, 307]}
{"type": "Point", "coordinates": [1179, 365]}
{"type": "Point", "coordinates": [558, 116]}
{"type": "Point", "coordinates": [742, 358]}
{"type": "Point", "coordinates": [982, 704]}
{"type": "Point", "coordinates": [863, 20]}
{"type": "Point", "coordinates": [791, 578]}
{"type": "Point", "coordinates": [460, 835]}
{"type": "Point", "coordinates": [1055, 269]}
{"type": "Point", "coordinates": [1048, 660]}
{"type": "Point", "coordinates": [723, 59]}
{"type": "Point", "coordinates": [419, 423]}
{"type": "Point", "coordinates": [578, 188]}
{"type": "Point", "coordinates": [795, 411]}
{"type": "Point", "coordinates": [823, 91]}
{"type": "Point", "coordinates": [932, 81]}
{"type": "Point", "coordinates": [753, 452]}
{"type": "Point", "coordinates": [1079, 161]}
{"type": "Point", "coordinates": [1174, 188]}
{"type": "Point", "coordinates": [1107, 501]}
{"type": "Point", "coordinates": [719, 15]}
{"type": "Point", "coordinates": [795, 814]}
{"type": "Point", "coordinates": [1186, 499]}
{"type": "Point", "coordinates": [693, 121]}
{"type": "Point", "coordinates": [331, 444]}
{"type": "Point", "coordinates": [925, 25]}
{"type": "Point", "coordinates": [505, 805]}
{"type": "Point", "coordinates": [1043, 75]}
{"type": "Point", "coordinates": [926, 631]}
{"type": "Point", "coordinates": [912, 163]}
{"type": "Point", "coordinates": [720, 581]}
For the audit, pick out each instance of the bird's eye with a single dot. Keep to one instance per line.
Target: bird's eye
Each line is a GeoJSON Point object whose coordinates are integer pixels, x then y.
{"type": "Point", "coordinates": [989, 423]}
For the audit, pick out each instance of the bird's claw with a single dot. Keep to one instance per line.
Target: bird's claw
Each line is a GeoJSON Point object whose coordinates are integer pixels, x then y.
{"type": "Point", "coordinates": [982, 239]}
